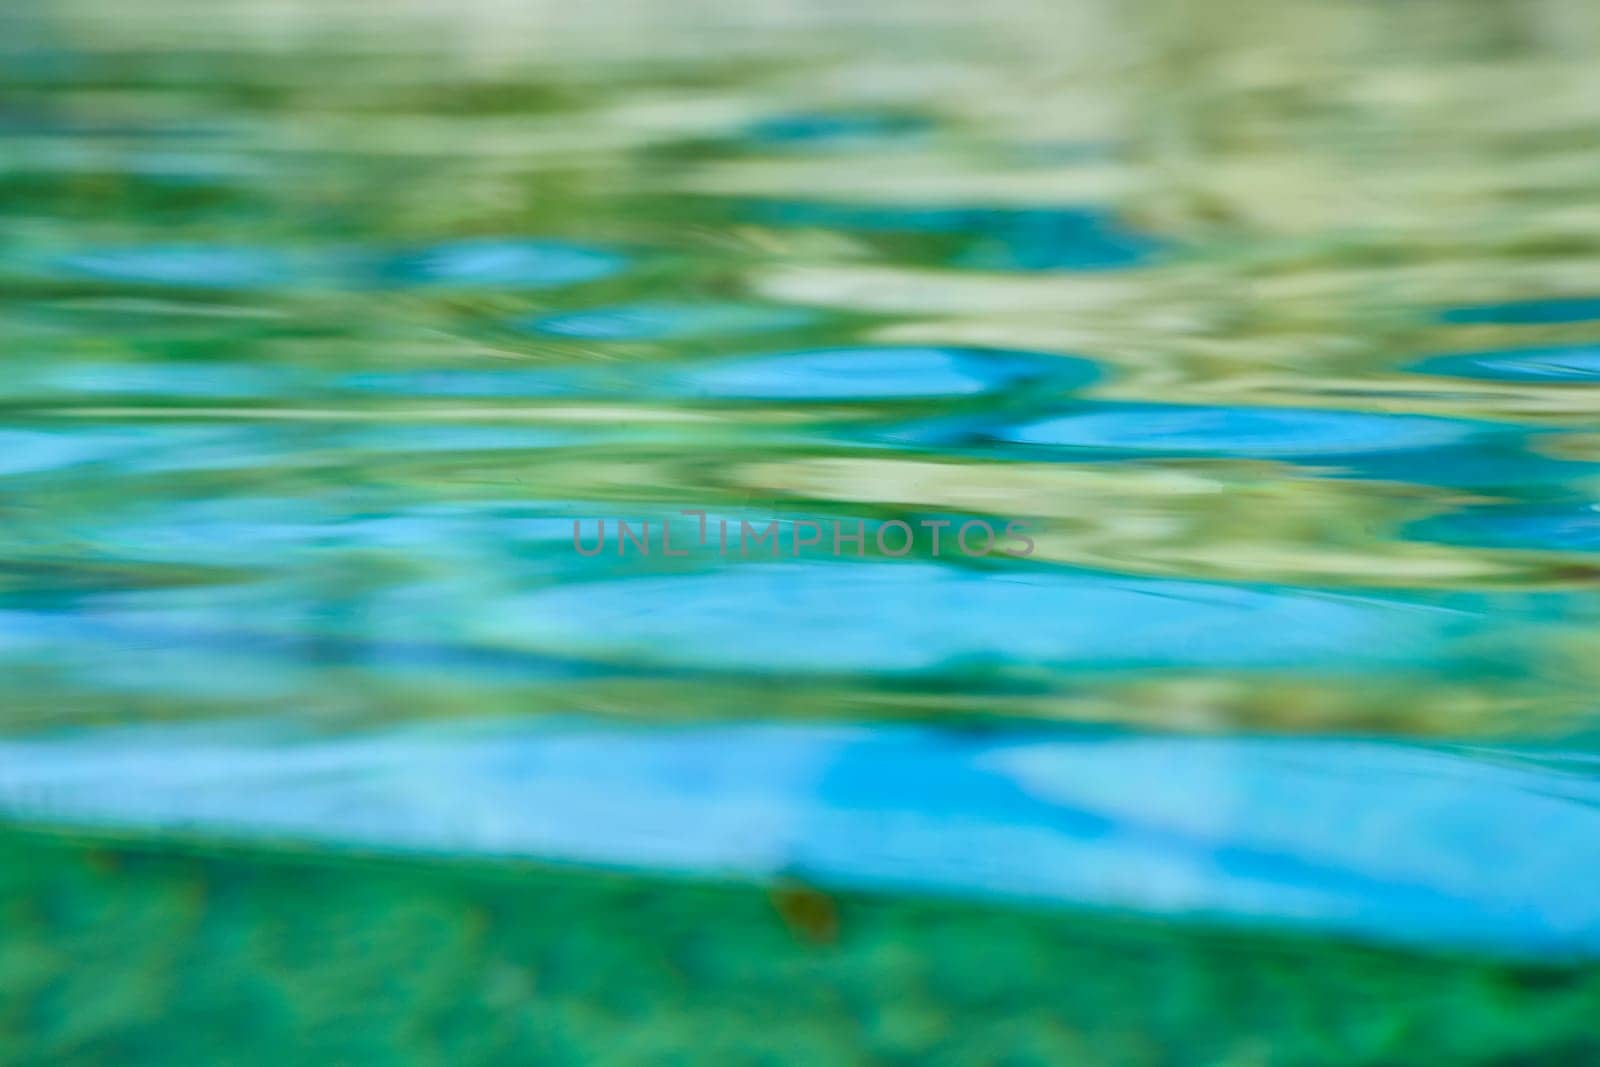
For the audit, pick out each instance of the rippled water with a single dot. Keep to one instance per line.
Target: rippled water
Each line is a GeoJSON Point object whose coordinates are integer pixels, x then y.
{"type": "Point", "coordinates": [1280, 337]}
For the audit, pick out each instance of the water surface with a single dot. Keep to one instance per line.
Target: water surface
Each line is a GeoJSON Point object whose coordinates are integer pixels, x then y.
{"type": "Point", "coordinates": [323, 333]}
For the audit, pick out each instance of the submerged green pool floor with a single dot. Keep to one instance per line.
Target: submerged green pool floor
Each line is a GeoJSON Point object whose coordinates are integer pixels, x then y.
{"type": "Point", "coordinates": [162, 954]}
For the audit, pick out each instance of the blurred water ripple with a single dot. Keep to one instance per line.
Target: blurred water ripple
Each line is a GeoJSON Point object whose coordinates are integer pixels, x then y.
{"type": "Point", "coordinates": [322, 337]}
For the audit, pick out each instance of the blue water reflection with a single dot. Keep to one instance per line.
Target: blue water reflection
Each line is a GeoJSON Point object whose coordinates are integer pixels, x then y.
{"type": "Point", "coordinates": [882, 372]}
{"type": "Point", "coordinates": [1279, 433]}
{"type": "Point", "coordinates": [184, 266]}
{"type": "Point", "coordinates": [672, 322]}
{"type": "Point", "coordinates": [1536, 527]}
{"type": "Point", "coordinates": [480, 263]}
{"type": "Point", "coordinates": [1420, 449]}
{"type": "Point", "coordinates": [514, 263]}
{"type": "Point", "coordinates": [1567, 363]}
{"type": "Point", "coordinates": [812, 130]}
{"type": "Point", "coordinates": [928, 617]}
{"type": "Point", "coordinates": [190, 380]}
{"type": "Point", "coordinates": [1398, 842]}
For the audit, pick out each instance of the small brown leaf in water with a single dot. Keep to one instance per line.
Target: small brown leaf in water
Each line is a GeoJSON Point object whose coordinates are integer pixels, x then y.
{"type": "Point", "coordinates": [809, 913]}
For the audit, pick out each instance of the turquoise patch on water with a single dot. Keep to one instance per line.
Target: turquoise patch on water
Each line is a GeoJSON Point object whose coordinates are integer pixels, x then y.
{"type": "Point", "coordinates": [415, 438]}
{"type": "Point", "coordinates": [831, 130]}
{"type": "Point", "coordinates": [883, 373]}
{"type": "Point", "coordinates": [1546, 528]}
{"type": "Point", "coordinates": [1238, 431]}
{"type": "Point", "coordinates": [671, 322]}
{"type": "Point", "coordinates": [182, 266]}
{"type": "Point", "coordinates": [29, 451]}
{"type": "Point", "coordinates": [1526, 312]}
{"type": "Point", "coordinates": [872, 218]}
{"type": "Point", "coordinates": [1022, 239]}
{"type": "Point", "coordinates": [137, 447]}
{"type": "Point", "coordinates": [1060, 240]}
{"type": "Point", "coordinates": [188, 380]}
{"type": "Point", "coordinates": [465, 383]}
{"type": "Point", "coordinates": [1570, 363]}
{"type": "Point", "coordinates": [505, 263]}
{"type": "Point", "coordinates": [808, 617]}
